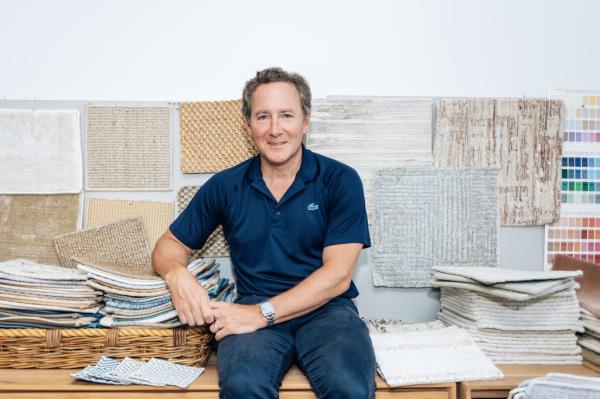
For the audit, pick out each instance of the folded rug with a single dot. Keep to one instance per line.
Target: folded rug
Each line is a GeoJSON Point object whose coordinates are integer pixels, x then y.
{"type": "Point", "coordinates": [558, 386]}
{"type": "Point", "coordinates": [494, 275]}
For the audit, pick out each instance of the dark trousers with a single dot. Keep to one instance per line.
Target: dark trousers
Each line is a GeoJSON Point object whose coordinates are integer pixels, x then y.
{"type": "Point", "coordinates": [331, 345]}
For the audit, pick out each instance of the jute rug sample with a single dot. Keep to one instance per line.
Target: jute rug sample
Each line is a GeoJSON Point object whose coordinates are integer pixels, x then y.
{"type": "Point", "coordinates": [213, 136]}
{"type": "Point", "coordinates": [29, 222]}
{"type": "Point", "coordinates": [40, 151]}
{"type": "Point", "coordinates": [432, 217]}
{"type": "Point", "coordinates": [215, 245]}
{"type": "Point", "coordinates": [521, 137]}
{"type": "Point", "coordinates": [122, 242]}
{"type": "Point", "coordinates": [372, 133]}
{"type": "Point", "coordinates": [155, 215]}
{"type": "Point", "coordinates": [128, 148]}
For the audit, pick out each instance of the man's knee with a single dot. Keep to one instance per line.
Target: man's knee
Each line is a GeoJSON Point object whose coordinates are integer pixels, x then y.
{"type": "Point", "coordinates": [246, 383]}
{"type": "Point", "coordinates": [346, 385]}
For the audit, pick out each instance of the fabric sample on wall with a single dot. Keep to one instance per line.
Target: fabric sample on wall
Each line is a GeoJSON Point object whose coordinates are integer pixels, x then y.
{"type": "Point", "coordinates": [40, 151]}
{"type": "Point", "coordinates": [432, 217]}
{"type": "Point", "coordinates": [122, 242]}
{"type": "Point", "coordinates": [155, 215]}
{"type": "Point", "coordinates": [430, 357]}
{"type": "Point", "coordinates": [372, 133]}
{"type": "Point", "coordinates": [215, 245]}
{"type": "Point", "coordinates": [128, 148]}
{"type": "Point", "coordinates": [213, 136]}
{"type": "Point", "coordinates": [521, 137]}
{"type": "Point", "coordinates": [28, 223]}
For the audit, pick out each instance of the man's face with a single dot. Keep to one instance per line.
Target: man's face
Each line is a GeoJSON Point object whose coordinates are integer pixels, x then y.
{"type": "Point", "coordinates": [277, 123]}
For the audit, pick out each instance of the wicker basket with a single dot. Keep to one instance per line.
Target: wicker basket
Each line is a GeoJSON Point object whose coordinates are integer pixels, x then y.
{"type": "Point", "coordinates": [39, 348]}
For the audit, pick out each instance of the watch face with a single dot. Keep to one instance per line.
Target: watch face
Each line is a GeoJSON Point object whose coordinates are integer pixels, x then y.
{"type": "Point", "coordinates": [267, 308]}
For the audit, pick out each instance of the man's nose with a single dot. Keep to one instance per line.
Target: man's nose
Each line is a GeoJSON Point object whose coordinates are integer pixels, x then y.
{"type": "Point", "coordinates": [275, 126]}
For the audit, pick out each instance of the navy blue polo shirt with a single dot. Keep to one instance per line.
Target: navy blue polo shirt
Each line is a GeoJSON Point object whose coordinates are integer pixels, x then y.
{"type": "Point", "coordinates": [275, 245]}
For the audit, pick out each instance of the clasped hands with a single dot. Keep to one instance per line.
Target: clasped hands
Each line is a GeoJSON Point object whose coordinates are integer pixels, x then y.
{"type": "Point", "coordinates": [194, 307]}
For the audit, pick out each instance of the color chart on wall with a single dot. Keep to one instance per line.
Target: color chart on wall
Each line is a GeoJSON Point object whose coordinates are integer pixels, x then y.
{"type": "Point", "coordinates": [582, 119]}
{"type": "Point", "coordinates": [574, 235]}
{"type": "Point", "coordinates": [580, 182]}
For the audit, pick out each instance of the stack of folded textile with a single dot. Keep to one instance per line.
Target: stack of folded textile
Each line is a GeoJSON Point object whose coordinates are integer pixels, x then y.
{"type": "Point", "coordinates": [589, 300]}
{"type": "Point", "coordinates": [558, 386]}
{"type": "Point", "coordinates": [139, 297]}
{"type": "Point", "coordinates": [45, 296]}
{"type": "Point", "coordinates": [427, 353]}
{"type": "Point", "coordinates": [515, 316]}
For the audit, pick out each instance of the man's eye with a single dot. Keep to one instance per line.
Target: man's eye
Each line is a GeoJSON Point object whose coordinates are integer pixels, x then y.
{"type": "Point", "coordinates": [288, 115]}
{"type": "Point", "coordinates": [261, 117]}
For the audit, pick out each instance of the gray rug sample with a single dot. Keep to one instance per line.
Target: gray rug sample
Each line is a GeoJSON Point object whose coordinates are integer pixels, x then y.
{"type": "Point", "coordinates": [432, 217]}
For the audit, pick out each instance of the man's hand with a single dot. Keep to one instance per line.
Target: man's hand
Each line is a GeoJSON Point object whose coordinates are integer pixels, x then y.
{"type": "Point", "coordinates": [189, 297]}
{"type": "Point", "coordinates": [233, 318]}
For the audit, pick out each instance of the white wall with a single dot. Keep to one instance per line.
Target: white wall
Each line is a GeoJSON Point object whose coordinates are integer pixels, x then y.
{"type": "Point", "coordinates": [119, 50]}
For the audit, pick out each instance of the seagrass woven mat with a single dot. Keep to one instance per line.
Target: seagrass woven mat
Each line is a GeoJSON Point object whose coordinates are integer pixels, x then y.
{"type": "Point", "coordinates": [521, 137]}
{"type": "Point", "coordinates": [213, 136]}
{"type": "Point", "coordinates": [428, 217]}
{"type": "Point", "coordinates": [216, 245]}
{"type": "Point", "coordinates": [372, 133]}
{"type": "Point", "coordinates": [155, 215]}
{"type": "Point", "coordinates": [122, 242]}
{"type": "Point", "coordinates": [28, 224]}
{"type": "Point", "coordinates": [128, 148]}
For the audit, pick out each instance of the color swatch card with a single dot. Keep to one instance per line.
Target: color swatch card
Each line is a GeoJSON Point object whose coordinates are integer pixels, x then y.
{"type": "Point", "coordinates": [575, 235]}
{"type": "Point", "coordinates": [582, 119]}
{"type": "Point", "coordinates": [580, 182]}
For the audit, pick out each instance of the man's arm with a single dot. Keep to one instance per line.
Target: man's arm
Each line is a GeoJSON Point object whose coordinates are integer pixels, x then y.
{"type": "Point", "coordinates": [190, 299]}
{"type": "Point", "coordinates": [324, 284]}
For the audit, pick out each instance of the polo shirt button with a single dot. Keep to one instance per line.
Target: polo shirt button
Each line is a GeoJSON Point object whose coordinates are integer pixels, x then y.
{"type": "Point", "coordinates": [277, 213]}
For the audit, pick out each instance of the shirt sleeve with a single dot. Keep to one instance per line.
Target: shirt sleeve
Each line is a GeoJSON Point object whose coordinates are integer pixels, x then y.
{"type": "Point", "coordinates": [346, 212]}
{"type": "Point", "coordinates": [201, 217]}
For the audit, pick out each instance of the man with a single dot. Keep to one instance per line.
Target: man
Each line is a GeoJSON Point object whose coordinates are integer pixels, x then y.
{"type": "Point", "coordinates": [295, 222]}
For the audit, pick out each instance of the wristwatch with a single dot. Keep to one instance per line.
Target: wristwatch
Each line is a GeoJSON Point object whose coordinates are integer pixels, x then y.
{"type": "Point", "coordinates": [268, 311]}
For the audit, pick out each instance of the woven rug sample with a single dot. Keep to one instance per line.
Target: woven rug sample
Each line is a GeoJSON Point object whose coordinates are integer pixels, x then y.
{"type": "Point", "coordinates": [390, 326]}
{"type": "Point", "coordinates": [496, 275]}
{"type": "Point", "coordinates": [40, 151]}
{"type": "Point", "coordinates": [557, 386]}
{"type": "Point", "coordinates": [155, 215]}
{"type": "Point", "coordinates": [128, 149]}
{"type": "Point", "coordinates": [521, 137]}
{"type": "Point", "coordinates": [503, 293]}
{"type": "Point", "coordinates": [29, 222]}
{"type": "Point", "coordinates": [122, 242]}
{"type": "Point", "coordinates": [213, 136]}
{"type": "Point", "coordinates": [432, 217]}
{"type": "Point", "coordinates": [372, 133]}
{"type": "Point", "coordinates": [431, 356]}
{"type": "Point", "coordinates": [216, 245]}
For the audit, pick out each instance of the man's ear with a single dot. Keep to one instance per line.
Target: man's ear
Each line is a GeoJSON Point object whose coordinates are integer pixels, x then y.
{"type": "Point", "coordinates": [306, 124]}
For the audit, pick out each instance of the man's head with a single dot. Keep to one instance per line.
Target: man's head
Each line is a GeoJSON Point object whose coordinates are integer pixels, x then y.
{"type": "Point", "coordinates": [276, 74]}
{"type": "Point", "coordinates": [276, 105]}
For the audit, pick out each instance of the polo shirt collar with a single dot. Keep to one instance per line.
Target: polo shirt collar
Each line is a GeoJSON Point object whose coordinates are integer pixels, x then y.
{"type": "Point", "coordinates": [308, 168]}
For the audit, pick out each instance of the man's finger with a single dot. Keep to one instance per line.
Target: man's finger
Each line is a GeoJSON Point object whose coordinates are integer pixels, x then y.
{"type": "Point", "coordinates": [206, 310]}
{"type": "Point", "coordinates": [198, 316]}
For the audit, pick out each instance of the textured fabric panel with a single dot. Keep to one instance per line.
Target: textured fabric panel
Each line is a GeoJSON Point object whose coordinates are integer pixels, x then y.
{"type": "Point", "coordinates": [40, 151]}
{"type": "Point", "coordinates": [213, 136]}
{"type": "Point", "coordinates": [215, 245]}
{"type": "Point", "coordinates": [122, 242]}
{"type": "Point", "coordinates": [372, 133]}
{"type": "Point", "coordinates": [431, 356]}
{"type": "Point", "coordinates": [155, 215]}
{"type": "Point", "coordinates": [29, 222]}
{"type": "Point", "coordinates": [433, 217]}
{"type": "Point", "coordinates": [521, 137]}
{"type": "Point", "coordinates": [128, 148]}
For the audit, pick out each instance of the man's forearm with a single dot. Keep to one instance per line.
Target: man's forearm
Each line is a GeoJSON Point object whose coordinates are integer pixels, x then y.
{"type": "Point", "coordinates": [168, 255]}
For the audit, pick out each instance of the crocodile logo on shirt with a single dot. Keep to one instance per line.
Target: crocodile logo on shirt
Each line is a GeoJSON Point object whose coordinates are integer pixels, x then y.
{"type": "Point", "coordinates": [313, 207]}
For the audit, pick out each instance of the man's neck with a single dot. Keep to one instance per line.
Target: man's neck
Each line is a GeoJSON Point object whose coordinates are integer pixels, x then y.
{"type": "Point", "coordinates": [281, 172]}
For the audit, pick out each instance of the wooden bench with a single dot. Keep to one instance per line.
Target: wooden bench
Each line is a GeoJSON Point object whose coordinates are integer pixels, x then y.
{"type": "Point", "coordinates": [513, 376]}
{"type": "Point", "coordinates": [58, 384]}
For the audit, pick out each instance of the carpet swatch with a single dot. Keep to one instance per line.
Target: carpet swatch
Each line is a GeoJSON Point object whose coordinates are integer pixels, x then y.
{"type": "Point", "coordinates": [40, 151]}
{"type": "Point", "coordinates": [372, 133]}
{"type": "Point", "coordinates": [215, 245]}
{"type": "Point", "coordinates": [122, 242]}
{"type": "Point", "coordinates": [521, 137]}
{"type": "Point", "coordinates": [590, 282]}
{"type": "Point", "coordinates": [28, 223]}
{"type": "Point", "coordinates": [155, 215]}
{"type": "Point", "coordinates": [213, 136]}
{"type": "Point", "coordinates": [432, 217]}
{"type": "Point", "coordinates": [128, 149]}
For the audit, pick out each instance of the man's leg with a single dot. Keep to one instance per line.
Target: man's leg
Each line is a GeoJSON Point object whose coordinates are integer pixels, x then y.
{"type": "Point", "coordinates": [253, 365]}
{"type": "Point", "coordinates": [335, 352]}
